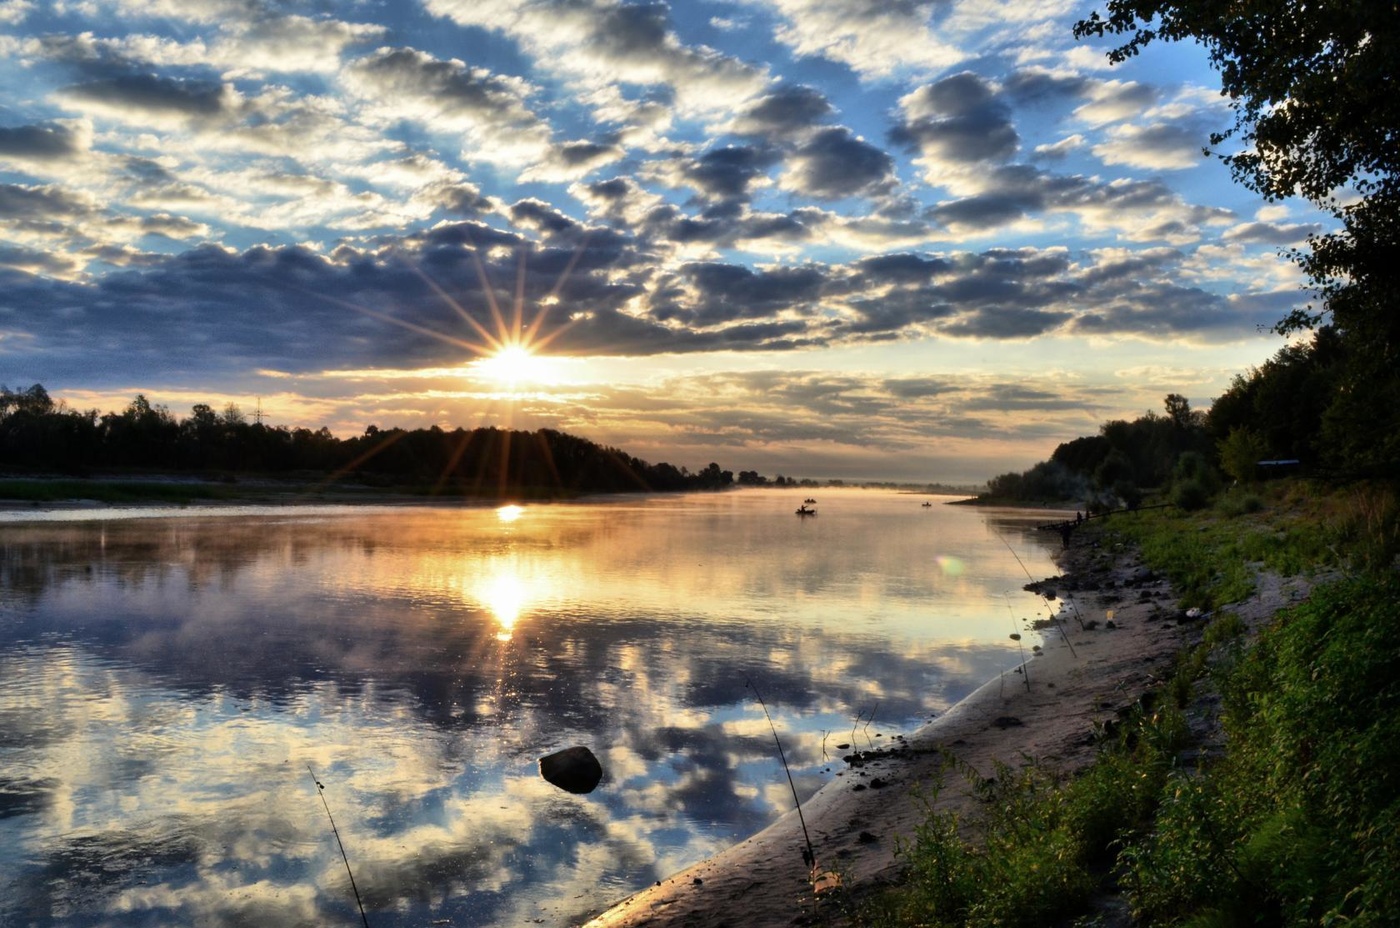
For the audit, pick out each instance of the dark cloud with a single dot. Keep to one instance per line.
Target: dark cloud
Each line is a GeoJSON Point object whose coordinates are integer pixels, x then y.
{"type": "Point", "coordinates": [896, 312]}
{"type": "Point", "coordinates": [959, 120]}
{"type": "Point", "coordinates": [539, 215]}
{"type": "Point", "coordinates": [39, 142]}
{"type": "Point", "coordinates": [835, 164]}
{"type": "Point", "coordinates": [727, 172]}
{"type": "Point", "coordinates": [449, 89]}
{"type": "Point", "coordinates": [1033, 86]}
{"type": "Point", "coordinates": [176, 228]}
{"type": "Point", "coordinates": [1003, 397]}
{"type": "Point", "coordinates": [920, 387]}
{"type": "Point", "coordinates": [1272, 233]}
{"type": "Point", "coordinates": [1006, 323]}
{"type": "Point", "coordinates": [1019, 190]}
{"type": "Point", "coordinates": [903, 268]}
{"type": "Point", "coordinates": [19, 203]}
{"type": "Point", "coordinates": [987, 211]}
{"type": "Point", "coordinates": [1128, 268]}
{"type": "Point", "coordinates": [577, 154]}
{"type": "Point", "coordinates": [459, 200]}
{"type": "Point", "coordinates": [155, 94]}
{"type": "Point", "coordinates": [1163, 310]}
{"type": "Point", "coordinates": [786, 112]}
{"type": "Point", "coordinates": [707, 294]}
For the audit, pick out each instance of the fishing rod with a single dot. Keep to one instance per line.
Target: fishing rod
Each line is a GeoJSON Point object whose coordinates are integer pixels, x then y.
{"type": "Point", "coordinates": [321, 791]}
{"type": "Point", "coordinates": [809, 856]}
{"type": "Point", "coordinates": [1054, 621]}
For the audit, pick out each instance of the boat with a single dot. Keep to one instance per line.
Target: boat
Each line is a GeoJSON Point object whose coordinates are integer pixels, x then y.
{"type": "Point", "coordinates": [805, 510]}
{"type": "Point", "coordinates": [927, 504]}
{"type": "Point", "coordinates": [809, 502]}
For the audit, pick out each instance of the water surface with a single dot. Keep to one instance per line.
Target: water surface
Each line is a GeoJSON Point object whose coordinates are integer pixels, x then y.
{"type": "Point", "coordinates": [169, 678]}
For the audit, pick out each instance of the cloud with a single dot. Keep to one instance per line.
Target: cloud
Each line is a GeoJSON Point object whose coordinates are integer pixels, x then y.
{"type": "Point", "coordinates": [835, 163]}
{"type": "Point", "coordinates": [1272, 233]}
{"type": "Point", "coordinates": [873, 38]}
{"type": "Point", "coordinates": [1114, 101]}
{"type": "Point", "coordinates": [786, 112]}
{"type": "Point", "coordinates": [1159, 147]}
{"type": "Point", "coordinates": [603, 43]}
{"type": "Point", "coordinates": [489, 110]}
{"type": "Point", "coordinates": [149, 99]}
{"type": "Point", "coordinates": [955, 122]}
{"type": "Point", "coordinates": [44, 142]}
{"type": "Point", "coordinates": [1054, 151]}
{"type": "Point", "coordinates": [726, 173]}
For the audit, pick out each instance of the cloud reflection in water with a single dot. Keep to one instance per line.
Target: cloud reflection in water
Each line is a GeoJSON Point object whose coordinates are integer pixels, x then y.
{"type": "Point", "coordinates": [165, 682]}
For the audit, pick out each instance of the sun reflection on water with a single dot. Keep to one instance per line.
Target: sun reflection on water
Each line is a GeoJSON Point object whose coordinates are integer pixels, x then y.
{"type": "Point", "coordinates": [504, 595]}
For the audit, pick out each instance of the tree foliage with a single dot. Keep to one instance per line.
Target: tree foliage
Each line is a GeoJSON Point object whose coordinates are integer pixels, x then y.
{"type": "Point", "coordinates": [38, 435]}
{"type": "Point", "coordinates": [1108, 469]}
{"type": "Point", "coordinates": [1317, 115]}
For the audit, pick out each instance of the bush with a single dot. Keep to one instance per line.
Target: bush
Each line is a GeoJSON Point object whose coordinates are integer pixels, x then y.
{"type": "Point", "coordinates": [1190, 495]}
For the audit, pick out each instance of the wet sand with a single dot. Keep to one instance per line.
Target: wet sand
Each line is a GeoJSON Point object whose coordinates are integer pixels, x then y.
{"type": "Point", "coordinates": [1084, 678]}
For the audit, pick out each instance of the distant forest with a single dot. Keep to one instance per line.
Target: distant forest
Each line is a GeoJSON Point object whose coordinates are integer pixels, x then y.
{"type": "Point", "coordinates": [1292, 414]}
{"type": "Point", "coordinates": [39, 435]}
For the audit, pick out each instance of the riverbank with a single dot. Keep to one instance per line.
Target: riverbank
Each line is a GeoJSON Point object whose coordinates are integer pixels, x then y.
{"type": "Point", "coordinates": [1120, 629]}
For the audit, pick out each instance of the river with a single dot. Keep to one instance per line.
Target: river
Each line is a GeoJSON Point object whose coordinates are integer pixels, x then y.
{"type": "Point", "coordinates": [170, 680]}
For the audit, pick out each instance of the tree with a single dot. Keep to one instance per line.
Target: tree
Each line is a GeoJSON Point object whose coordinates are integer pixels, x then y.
{"type": "Point", "coordinates": [1312, 86]}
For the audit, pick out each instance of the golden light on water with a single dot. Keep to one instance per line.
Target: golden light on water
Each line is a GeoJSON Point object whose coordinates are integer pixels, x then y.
{"type": "Point", "coordinates": [510, 513]}
{"type": "Point", "coordinates": [505, 596]}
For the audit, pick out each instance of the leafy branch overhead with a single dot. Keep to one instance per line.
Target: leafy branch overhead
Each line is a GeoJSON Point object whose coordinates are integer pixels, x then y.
{"type": "Point", "coordinates": [1317, 115]}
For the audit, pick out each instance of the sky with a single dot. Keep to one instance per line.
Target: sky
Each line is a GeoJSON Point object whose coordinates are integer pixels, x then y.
{"type": "Point", "coordinates": [921, 240]}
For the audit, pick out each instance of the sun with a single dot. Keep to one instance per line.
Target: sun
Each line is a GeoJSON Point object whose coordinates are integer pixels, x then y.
{"type": "Point", "coordinates": [514, 366]}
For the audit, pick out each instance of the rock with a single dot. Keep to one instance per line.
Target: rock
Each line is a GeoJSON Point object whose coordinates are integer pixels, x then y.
{"type": "Point", "coordinates": [573, 769]}
{"type": "Point", "coordinates": [1140, 576]}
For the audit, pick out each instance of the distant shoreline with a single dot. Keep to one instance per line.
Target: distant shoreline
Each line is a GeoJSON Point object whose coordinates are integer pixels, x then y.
{"type": "Point", "coordinates": [55, 491]}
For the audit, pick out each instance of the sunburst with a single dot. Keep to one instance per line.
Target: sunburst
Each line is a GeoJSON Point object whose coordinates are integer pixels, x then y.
{"type": "Point", "coordinates": [503, 349]}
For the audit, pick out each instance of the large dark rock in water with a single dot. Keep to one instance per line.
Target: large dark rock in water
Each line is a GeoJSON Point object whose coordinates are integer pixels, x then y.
{"type": "Point", "coordinates": [574, 769]}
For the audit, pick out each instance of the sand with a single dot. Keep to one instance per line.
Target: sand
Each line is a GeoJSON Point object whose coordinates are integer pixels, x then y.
{"type": "Point", "coordinates": [1100, 666]}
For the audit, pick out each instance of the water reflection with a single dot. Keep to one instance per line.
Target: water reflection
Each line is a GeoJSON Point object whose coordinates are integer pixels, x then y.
{"type": "Point", "coordinates": [164, 684]}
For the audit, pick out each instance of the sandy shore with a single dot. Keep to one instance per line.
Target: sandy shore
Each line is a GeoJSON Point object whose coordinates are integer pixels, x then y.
{"type": "Point", "coordinates": [1102, 665]}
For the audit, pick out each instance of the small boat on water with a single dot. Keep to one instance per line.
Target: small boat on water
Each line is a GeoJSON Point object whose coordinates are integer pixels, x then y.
{"type": "Point", "coordinates": [809, 502]}
{"type": "Point", "coordinates": [805, 510]}
{"type": "Point", "coordinates": [927, 504]}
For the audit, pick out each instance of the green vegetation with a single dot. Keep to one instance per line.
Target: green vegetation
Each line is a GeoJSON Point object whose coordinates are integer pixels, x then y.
{"type": "Point", "coordinates": [1297, 825]}
{"type": "Point", "coordinates": [1298, 821]}
{"type": "Point", "coordinates": [1115, 468]}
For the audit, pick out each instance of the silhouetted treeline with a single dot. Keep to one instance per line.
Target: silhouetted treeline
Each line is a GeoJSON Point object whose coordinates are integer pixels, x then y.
{"type": "Point", "coordinates": [1116, 466]}
{"type": "Point", "coordinates": [1302, 406]}
{"type": "Point", "coordinates": [40, 435]}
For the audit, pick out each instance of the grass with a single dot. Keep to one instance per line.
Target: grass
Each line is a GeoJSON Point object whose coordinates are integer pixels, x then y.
{"type": "Point", "coordinates": [1212, 555]}
{"type": "Point", "coordinates": [1298, 824]}
{"type": "Point", "coordinates": [1040, 847]}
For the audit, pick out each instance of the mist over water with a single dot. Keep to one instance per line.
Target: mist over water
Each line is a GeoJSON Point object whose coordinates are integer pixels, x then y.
{"type": "Point", "coordinates": [168, 676]}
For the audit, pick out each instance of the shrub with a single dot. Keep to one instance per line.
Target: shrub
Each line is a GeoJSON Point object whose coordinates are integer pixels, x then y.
{"type": "Point", "coordinates": [1190, 495]}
